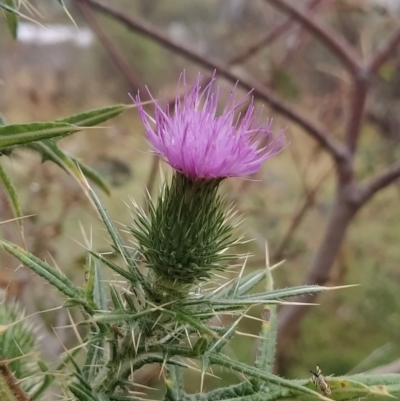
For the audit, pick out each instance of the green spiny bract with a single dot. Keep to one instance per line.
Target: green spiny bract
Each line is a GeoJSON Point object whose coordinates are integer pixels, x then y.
{"type": "Point", "coordinates": [18, 341]}
{"type": "Point", "coordinates": [185, 235]}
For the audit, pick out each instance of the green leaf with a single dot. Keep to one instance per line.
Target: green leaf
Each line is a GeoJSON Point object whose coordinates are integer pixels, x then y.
{"type": "Point", "coordinates": [113, 266]}
{"type": "Point", "coordinates": [81, 392]}
{"type": "Point", "coordinates": [93, 359]}
{"type": "Point", "coordinates": [269, 329]}
{"type": "Point", "coordinates": [240, 286]}
{"type": "Point", "coordinates": [195, 323]}
{"type": "Point", "coordinates": [119, 245]}
{"type": "Point", "coordinates": [90, 277]}
{"type": "Point", "coordinates": [11, 193]}
{"type": "Point", "coordinates": [116, 299]}
{"type": "Point", "coordinates": [217, 344]}
{"type": "Point", "coordinates": [10, 9]}
{"type": "Point", "coordinates": [375, 380]}
{"type": "Point", "coordinates": [53, 276]}
{"type": "Point", "coordinates": [174, 383]}
{"type": "Point", "coordinates": [119, 316]}
{"type": "Point", "coordinates": [284, 293]}
{"type": "Point", "coordinates": [233, 392]}
{"type": "Point", "coordinates": [350, 387]}
{"type": "Point", "coordinates": [12, 19]}
{"type": "Point", "coordinates": [259, 374]}
{"type": "Point", "coordinates": [343, 389]}
{"type": "Point", "coordinates": [100, 296]}
{"type": "Point", "coordinates": [47, 381]}
{"type": "Point", "coordinates": [22, 134]}
{"type": "Point", "coordinates": [50, 375]}
{"type": "Point", "coordinates": [268, 297]}
{"type": "Point", "coordinates": [95, 117]}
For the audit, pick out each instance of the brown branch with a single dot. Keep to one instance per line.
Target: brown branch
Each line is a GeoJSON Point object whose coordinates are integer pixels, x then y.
{"type": "Point", "coordinates": [298, 217]}
{"type": "Point", "coordinates": [357, 106]}
{"type": "Point", "coordinates": [290, 317]}
{"type": "Point", "coordinates": [383, 54]}
{"type": "Point", "coordinates": [112, 50]}
{"type": "Point", "coordinates": [338, 46]}
{"type": "Point", "coordinates": [334, 148]}
{"type": "Point", "coordinates": [270, 37]}
{"type": "Point", "coordinates": [380, 181]}
{"type": "Point", "coordinates": [348, 202]}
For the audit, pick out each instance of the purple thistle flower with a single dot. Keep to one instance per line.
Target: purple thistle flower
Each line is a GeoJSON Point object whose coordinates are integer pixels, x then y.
{"type": "Point", "coordinates": [201, 145]}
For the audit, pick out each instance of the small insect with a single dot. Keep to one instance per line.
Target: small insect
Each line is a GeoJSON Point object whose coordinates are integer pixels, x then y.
{"type": "Point", "coordinates": [320, 381]}
{"type": "Point", "coordinates": [117, 331]}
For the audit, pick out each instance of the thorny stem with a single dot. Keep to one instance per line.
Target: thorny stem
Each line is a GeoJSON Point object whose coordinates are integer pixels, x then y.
{"type": "Point", "coordinates": [12, 384]}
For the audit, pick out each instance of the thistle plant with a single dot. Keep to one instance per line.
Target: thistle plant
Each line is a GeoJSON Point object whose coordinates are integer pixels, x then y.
{"type": "Point", "coordinates": [188, 229]}
{"type": "Point", "coordinates": [164, 312]}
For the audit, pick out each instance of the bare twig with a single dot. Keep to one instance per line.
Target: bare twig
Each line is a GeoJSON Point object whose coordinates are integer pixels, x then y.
{"type": "Point", "coordinates": [335, 148]}
{"type": "Point", "coordinates": [383, 54]}
{"type": "Point", "coordinates": [270, 37]}
{"type": "Point", "coordinates": [112, 50]}
{"type": "Point", "coordinates": [357, 106]}
{"type": "Point", "coordinates": [319, 273]}
{"type": "Point", "coordinates": [338, 46]}
{"type": "Point", "coordinates": [299, 216]}
{"type": "Point", "coordinates": [380, 181]}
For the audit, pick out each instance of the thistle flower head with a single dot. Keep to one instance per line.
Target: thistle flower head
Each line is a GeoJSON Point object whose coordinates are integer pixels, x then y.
{"type": "Point", "coordinates": [200, 144]}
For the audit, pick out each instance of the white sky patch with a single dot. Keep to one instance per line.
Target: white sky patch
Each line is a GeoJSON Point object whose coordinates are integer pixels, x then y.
{"type": "Point", "coordinates": [54, 34]}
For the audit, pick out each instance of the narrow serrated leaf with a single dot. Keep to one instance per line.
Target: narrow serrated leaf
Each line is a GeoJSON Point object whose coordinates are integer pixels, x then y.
{"type": "Point", "coordinates": [49, 273]}
{"type": "Point", "coordinates": [11, 193]}
{"type": "Point", "coordinates": [22, 134]}
{"type": "Point", "coordinates": [113, 266]}
{"type": "Point", "coordinates": [95, 117]}
{"type": "Point", "coordinates": [117, 240]}
{"type": "Point", "coordinates": [117, 316]}
{"type": "Point", "coordinates": [90, 273]}
{"type": "Point", "coordinates": [284, 293]}
{"type": "Point", "coordinates": [269, 330]}
{"type": "Point", "coordinates": [12, 19]}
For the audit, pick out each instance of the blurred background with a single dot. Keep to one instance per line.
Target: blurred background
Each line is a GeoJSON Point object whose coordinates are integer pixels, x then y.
{"type": "Point", "coordinates": [125, 45]}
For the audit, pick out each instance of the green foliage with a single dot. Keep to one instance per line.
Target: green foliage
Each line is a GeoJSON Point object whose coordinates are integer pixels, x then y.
{"type": "Point", "coordinates": [23, 134]}
{"type": "Point", "coordinates": [12, 13]}
{"type": "Point", "coordinates": [43, 137]}
{"type": "Point", "coordinates": [11, 192]}
{"type": "Point", "coordinates": [18, 349]}
{"type": "Point", "coordinates": [11, 16]}
{"type": "Point", "coordinates": [139, 329]}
